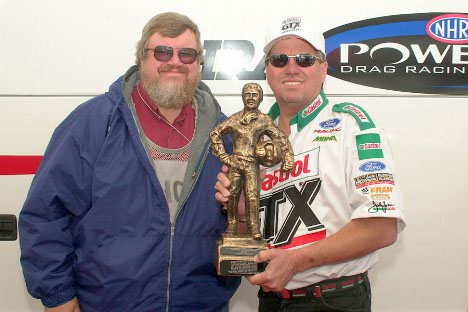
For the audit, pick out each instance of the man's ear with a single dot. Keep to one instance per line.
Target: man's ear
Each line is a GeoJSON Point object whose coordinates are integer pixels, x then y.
{"type": "Point", "coordinates": [324, 68]}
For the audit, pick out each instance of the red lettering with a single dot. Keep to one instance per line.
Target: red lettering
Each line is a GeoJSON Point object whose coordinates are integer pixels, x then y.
{"type": "Point", "coordinates": [283, 176]}
{"type": "Point", "coordinates": [356, 111]}
{"type": "Point", "coordinates": [297, 170]}
{"type": "Point", "coordinates": [327, 130]}
{"type": "Point", "coordinates": [312, 107]}
{"type": "Point", "coordinates": [300, 166]}
{"type": "Point", "coordinates": [306, 164]}
{"type": "Point", "coordinates": [267, 182]}
{"type": "Point", "coordinates": [276, 174]}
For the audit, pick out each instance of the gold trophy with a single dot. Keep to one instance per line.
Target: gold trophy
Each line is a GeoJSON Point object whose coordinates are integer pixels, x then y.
{"type": "Point", "coordinates": [235, 251]}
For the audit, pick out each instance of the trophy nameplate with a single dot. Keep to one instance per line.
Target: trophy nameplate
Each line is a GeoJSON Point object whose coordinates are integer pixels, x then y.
{"type": "Point", "coordinates": [235, 255]}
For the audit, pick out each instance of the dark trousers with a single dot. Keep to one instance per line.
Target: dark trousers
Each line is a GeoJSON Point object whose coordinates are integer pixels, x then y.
{"type": "Point", "coordinates": [356, 298]}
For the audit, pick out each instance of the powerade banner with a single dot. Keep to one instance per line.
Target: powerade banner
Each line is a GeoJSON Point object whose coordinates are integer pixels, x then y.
{"type": "Point", "coordinates": [419, 53]}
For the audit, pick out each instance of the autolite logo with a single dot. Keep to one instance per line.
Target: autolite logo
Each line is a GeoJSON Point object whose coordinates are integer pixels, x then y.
{"type": "Point", "coordinates": [449, 28]}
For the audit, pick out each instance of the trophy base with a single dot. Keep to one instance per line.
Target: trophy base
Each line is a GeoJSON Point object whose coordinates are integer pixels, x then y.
{"type": "Point", "coordinates": [235, 255]}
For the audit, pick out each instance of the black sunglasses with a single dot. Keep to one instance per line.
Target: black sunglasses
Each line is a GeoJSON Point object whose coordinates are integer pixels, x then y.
{"type": "Point", "coordinates": [165, 53]}
{"type": "Point", "coordinates": [303, 60]}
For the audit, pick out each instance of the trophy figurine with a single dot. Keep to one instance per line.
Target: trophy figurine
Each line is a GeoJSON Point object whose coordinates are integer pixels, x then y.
{"type": "Point", "coordinates": [235, 251]}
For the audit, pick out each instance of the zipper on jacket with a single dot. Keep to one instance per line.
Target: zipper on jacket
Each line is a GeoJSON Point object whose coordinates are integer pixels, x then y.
{"type": "Point", "coordinates": [168, 292]}
{"type": "Point", "coordinates": [195, 176]}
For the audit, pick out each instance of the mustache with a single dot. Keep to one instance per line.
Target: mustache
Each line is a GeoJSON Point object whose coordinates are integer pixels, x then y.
{"type": "Point", "coordinates": [167, 67]}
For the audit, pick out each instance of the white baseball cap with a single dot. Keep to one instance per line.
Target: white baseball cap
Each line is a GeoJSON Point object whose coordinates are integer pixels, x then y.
{"type": "Point", "coordinates": [294, 27]}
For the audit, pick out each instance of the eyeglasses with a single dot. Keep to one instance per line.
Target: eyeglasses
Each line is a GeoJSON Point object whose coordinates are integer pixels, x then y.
{"type": "Point", "coordinates": [165, 53]}
{"type": "Point", "coordinates": [303, 60]}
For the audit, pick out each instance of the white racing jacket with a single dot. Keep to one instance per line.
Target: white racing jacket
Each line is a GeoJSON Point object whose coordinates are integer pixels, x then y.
{"type": "Point", "coordinates": [343, 170]}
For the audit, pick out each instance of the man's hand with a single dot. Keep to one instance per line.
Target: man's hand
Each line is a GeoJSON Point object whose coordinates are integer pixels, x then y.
{"type": "Point", "coordinates": [358, 238]}
{"type": "Point", "coordinates": [282, 265]}
{"type": "Point", "coordinates": [222, 194]}
{"type": "Point", "coordinates": [222, 188]}
{"type": "Point", "coordinates": [70, 306]}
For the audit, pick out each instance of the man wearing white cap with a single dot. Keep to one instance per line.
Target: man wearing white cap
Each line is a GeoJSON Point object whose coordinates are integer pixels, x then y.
{"type": "Point", "coordinates": [325, 220]}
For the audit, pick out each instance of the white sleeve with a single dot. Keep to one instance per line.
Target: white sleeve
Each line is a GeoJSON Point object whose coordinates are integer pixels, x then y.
{"type": "Point", "coordinates": [372, 181]}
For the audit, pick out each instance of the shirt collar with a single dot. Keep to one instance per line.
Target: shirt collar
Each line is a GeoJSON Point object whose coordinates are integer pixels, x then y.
{"type": "Point", "coordinates": [305, 116]}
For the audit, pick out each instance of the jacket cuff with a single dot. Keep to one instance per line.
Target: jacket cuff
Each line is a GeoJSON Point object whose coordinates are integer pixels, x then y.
{"type": "Point", "coordinates": [59, 298]}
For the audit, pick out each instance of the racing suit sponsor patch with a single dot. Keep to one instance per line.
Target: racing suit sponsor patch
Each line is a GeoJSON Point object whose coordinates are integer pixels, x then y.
{"type": "Point", "coordinates": [287, 219]}
{"type": "Point", "coordinates": [325, 138]}
{"type": "Point", "coordinates": [369, 146]}
{"type": "Point", "coordinates": [330, 123]}
{"type": "Point", "coordinates": [373, 178]}
{"type": "Point", "coordinates": [381, 206]}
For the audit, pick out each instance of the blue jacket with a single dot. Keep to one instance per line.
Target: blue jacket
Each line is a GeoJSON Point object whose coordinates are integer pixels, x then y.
{"type": "Point", "coordinates": [96, 223]}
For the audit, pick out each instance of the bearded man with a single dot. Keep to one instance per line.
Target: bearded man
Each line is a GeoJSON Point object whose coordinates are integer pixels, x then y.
{"type": "Point", "coordinates": [121, 214]}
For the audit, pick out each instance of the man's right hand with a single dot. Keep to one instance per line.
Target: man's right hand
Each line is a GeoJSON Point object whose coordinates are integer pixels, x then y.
{"type": "Point", "coordinates": [70, 306]}
{"type": "Point", "coordinates": [222, 194]}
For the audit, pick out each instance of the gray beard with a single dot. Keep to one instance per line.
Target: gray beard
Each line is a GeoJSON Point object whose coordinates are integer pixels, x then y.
{"type": "Point", "coordinates": [169, 93]}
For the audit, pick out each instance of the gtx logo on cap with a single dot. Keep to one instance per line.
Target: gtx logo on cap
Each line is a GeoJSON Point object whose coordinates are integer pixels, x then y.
{"type": "Point", "coordinates": [291, 24]}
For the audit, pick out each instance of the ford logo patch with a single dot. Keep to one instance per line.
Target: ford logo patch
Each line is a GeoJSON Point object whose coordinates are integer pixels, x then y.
{"type": "Point", "coordinates": [330, 123]}
{"type": "Point", "coordinates": [371, 166]}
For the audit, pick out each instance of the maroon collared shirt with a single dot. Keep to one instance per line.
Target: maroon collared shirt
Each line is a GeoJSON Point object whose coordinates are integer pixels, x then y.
{"type": "Point", "coordinates": [156, 129]}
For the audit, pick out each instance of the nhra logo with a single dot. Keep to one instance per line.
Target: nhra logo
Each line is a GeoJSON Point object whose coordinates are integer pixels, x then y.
{"type": "Point", "coordinates": [449, 28]}
{"type": "Point", "coordinates": [420, 53]}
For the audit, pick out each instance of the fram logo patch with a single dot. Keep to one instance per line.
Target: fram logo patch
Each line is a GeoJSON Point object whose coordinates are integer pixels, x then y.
{"type": "Point", "coordinates": [419, 53]}
{"type": "Point", "coordinates": [449, 28]}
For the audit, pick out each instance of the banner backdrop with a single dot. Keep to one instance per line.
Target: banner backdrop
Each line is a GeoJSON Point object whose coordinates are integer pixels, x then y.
{"type": "Point", "coordinates": [405, 62]}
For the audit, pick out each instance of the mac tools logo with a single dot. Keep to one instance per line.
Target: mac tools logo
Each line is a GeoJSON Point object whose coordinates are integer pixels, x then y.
{"type": "Point", "coordinates": [420, 53]}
